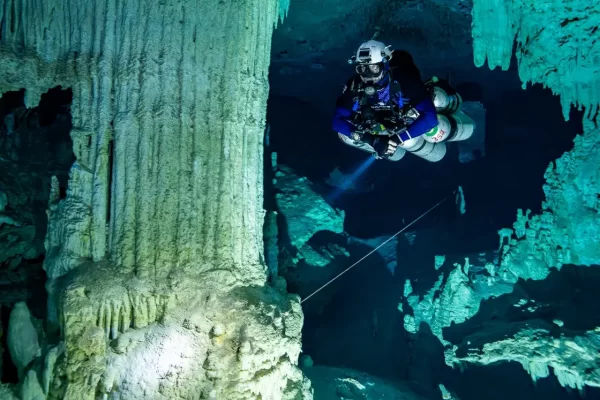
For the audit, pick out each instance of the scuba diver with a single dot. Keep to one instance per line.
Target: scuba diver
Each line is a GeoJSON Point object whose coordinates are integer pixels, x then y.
{"type": "Point", "coordinates": [387, 110]}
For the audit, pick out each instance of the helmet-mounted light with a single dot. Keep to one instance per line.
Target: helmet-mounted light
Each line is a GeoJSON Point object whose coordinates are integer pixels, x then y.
{"type": "Point", "coordinates": [372, 60]}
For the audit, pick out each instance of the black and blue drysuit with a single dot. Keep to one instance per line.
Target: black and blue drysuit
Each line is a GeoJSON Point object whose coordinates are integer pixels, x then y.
{"type": "Point", "coordinates": [401, 86]}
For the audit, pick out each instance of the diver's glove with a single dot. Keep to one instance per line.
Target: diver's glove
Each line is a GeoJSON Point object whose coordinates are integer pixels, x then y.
{"type": "Point", "coordinates": [393, 143]}
{"type": "Point", "coordinates": [357, 136]}
{"type": "Point", "coordinates": [381, 145]}
{"type": "Point", "coordinates": [385, 146]}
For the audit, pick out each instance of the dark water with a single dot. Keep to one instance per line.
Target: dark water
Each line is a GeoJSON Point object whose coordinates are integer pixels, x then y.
{"type": "Point", "coordinates": [525, 132]}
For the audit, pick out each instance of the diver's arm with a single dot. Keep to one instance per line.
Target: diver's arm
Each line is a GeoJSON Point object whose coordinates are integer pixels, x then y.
{"type": "Point", "coordinates": [344, 111]}
{"type": "Point", "coordinates": [407, 72]}
{"type": "Point", "coordinates": [426, 121]}
{"type": "Point", "coordinates": [340, 121]}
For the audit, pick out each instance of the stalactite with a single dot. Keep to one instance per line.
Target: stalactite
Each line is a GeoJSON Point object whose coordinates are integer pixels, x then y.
{"type": "Point", "coordinates": [493, 35]}
{"type": "Point", "coordinates": [556, 45]}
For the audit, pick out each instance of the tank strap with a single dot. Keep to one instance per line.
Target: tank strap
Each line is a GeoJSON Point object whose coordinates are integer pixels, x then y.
{"type": "Point", "coordinates": [453, 128]}
{"type": "Point", "coordinates": [423, 144]}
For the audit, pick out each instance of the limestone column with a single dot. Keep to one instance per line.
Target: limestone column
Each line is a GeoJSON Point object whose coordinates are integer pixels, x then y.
{"type": "Point", "coordinates": [168, 118]}
{"type": "Point", "coordinates": [155, 256]}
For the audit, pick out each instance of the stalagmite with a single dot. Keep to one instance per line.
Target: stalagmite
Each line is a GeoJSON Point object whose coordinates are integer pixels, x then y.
{"type": "Point", "coordinates": [162, 222]}
{"type": "Point", "coordinates": [23, 341]}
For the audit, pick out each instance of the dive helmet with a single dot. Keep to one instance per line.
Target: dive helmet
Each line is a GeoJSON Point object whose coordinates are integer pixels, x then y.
{"type": "Point", "coordinates": [372, 59]}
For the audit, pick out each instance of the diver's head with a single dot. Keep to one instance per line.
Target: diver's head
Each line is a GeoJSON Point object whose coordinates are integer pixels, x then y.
{"type": "Point", "coordinates": [372, 61]}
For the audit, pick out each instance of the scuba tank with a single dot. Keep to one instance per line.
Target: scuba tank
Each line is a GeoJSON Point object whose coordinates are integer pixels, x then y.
{"type": "Point", "coordinates": [453, 124]}
{"type": "Point", "coordinates": [445, 99]}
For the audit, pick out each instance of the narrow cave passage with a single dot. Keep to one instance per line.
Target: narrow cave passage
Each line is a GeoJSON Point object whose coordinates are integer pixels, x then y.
{"type": "Point", "coordinates": [355, 322]}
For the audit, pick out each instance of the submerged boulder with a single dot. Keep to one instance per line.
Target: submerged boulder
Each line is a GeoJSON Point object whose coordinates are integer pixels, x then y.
{"type": "Point", "coordinates": [331, 383]}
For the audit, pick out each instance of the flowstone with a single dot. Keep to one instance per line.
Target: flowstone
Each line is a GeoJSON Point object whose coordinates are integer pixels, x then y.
{"type": "Point", "coordinates": [186, 338]}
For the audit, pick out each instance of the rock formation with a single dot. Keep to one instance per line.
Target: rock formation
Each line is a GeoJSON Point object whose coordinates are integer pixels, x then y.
{"type": "Point", "coordinates": [556, 46]}
{"type": "Point", "coordinates": [22, 338]}
{"type": "Point", "coordinates": [343, 383]}
{"type": "Point", "coordinates": [155, 256]}
{"type": "Point", "coordinates": [7, 393]}
{"type": "Point", "coordinates": [304, 214]}
{"type": "Point", "coordinates": [34, 146]}
{"type": "Point", "coordinates": [564, 233]}
{"type": "Point", "coordinates": [455, 297]}
{"type": "Point", "coordinates": [571, 357]}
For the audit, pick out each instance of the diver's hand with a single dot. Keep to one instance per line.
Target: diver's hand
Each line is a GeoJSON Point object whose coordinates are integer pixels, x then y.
{"type": "Point", "coordinates": [357, 136]}
{"type": "Point", "coordinates": [385, 146]}
{"type": "Point", "coordinates": [381, 145]}
{"type": "Point", "coordinates": [391, 147]}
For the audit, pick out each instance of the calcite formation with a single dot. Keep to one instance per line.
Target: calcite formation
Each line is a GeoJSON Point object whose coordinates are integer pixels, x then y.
{"type": "Point", "coordinates": [22, 338]}
{"type": "Point", "coordinates": [306, 213]}
{"type": "Point", "coordinates": [25, 339]}
{"type": "Point", "coordinates": [7, 393]}
{"type": "Point", "coordinates": [453, 299]}
{"type": "Point", "coordinates": [571, 356]}
{"type": "Point", "coordinates": [566, 232]}
{"type": "Point", "coordinates": [557, 45]}
{"type": "Point", "coordinates": [138, 74]}
{"type": "Point", "coordinates": [446, 394]}
{"type": "Point", "coordinates": [181, 338]}
{"type": "Point", "coordinates": [343, 383]}
{"type": "Point", "coordinates": [155, 257]}
{"type": "Point", "coordinates": [33, 146]}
